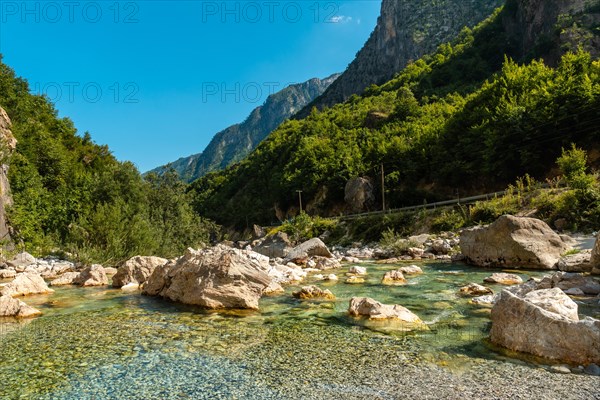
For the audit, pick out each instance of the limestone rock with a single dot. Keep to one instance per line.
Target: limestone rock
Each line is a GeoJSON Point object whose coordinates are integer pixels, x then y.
{"type": "Point", "coordinates": [313, 292]}
{"type": "Point", "coordinates": [218, 277]}
{"type": "Point", "coordinates": [274, 246]}
{"type": "Point", "coordinates": [474, 289]}
{"type": "Point", "coordinates": [136, 270]}
{"type": "Point", "coordinates": [545, 323]}
{"type": "Point", "coordinates": [310, 248]}
{"type": "Point", "coordinates": [570, 280]}
{"type": "Point", "coordinates": [579, 262]}
{"type": "Point", "coordinates": [513, 241]}
{"type": "Point", "coordinates": [367, 307]}
{"type": "Point", "coordinates": [358, 194]}
{"type": "Point", "coordinates": [11, 307]}
{"type": "Point", "coordinates": [111, 271]}
{"type": "Point", "coordinates": [25, 284]}
{"type": "Point", "coordinates": [355, 280]}
{"type": "Point", "coordinates": [21, 261]}
{"type": "Point", "coordinates": [441, 246]}
{"type": "Point", "coordinates": [91, 276]}
{"type": "Point", "coordinates": [323, 263]}
{"type": "Point", "coordinates": [411, 270]}
{"type": "Point", "coordinates": [394, 278]}
{"type": "Point", "coordinates": [67, 278]}
{"type": "Point", "coordinates": [356, 270]}
{"type": "Point", "coordinates": [504, 279]}
{"type": "Point", "coordinates": [7, 273]}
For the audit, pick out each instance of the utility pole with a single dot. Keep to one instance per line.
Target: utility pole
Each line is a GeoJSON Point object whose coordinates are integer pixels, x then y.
{"type": "Point", "coordinates": [382, 188]}
{"type": "Point", "coordinates": [300, 199]}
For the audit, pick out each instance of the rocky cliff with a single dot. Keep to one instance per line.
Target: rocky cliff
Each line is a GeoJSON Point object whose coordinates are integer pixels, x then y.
{"type": "Point", "coordinates": [8, 143]}
{"type": "Point", "coordinates": [236, 142]}
{"type": "Point", "coordinates": [406, 30]}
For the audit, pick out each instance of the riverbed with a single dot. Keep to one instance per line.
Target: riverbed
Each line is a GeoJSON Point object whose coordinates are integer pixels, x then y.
{"type": "Point", "coordinates": [101, 343]}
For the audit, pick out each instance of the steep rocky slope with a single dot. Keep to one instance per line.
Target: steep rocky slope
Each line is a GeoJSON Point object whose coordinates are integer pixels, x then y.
{"type": "Point", "coordinates": [8, 144]}
{"type": "Point", "coordinates": [236, 142]}
{"type": "Point", "coordinates": [406, 30]}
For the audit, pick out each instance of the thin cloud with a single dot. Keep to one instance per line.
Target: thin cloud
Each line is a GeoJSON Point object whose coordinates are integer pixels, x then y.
{"type": "Point", "coordinates": [340, 19]}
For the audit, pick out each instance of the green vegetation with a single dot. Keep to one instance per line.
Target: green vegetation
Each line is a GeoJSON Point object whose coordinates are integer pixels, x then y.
{"type": "Point", "coordinates": [304, 227]}
{"type": "Point", "coordinates": [73, 195]}
{"type": "Point", "coordinates": [467, 118]}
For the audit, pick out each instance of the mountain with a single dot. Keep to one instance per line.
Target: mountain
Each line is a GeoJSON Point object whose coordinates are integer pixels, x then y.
{"type": "Point", "coordinates": [236, 142]}
{"type": "Point", "coordinates": [406, 31]}
{"type": "Point", "coordinates": [498, 102]}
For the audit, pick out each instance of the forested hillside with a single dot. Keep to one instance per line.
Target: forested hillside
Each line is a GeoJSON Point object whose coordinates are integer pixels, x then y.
{"type": "Point", "coordinates": [470, 118]}
{"type": "Point", "coordinates": [72, 194]}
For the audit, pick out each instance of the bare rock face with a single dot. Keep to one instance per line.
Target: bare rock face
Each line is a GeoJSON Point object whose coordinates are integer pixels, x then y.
{"type": "Point", "coordinates": [358, 194]}
{"type": "Point", "coordinates": [367, 307]}
{"type": "Point", "coordinates": [595, 257]}
{"type": "Point", "coordinates": [92, 276]}
{"type": "Point", "coordinates": [25, 284]}
{"type": "Point", "coordinates": [406, 30]}
{"type": "Point", "coordinates": [8, 143]}
{"type": "Point", "coordinates": [274, 246]}
{"type": "Point", "coordinates": [474, 290]}
{"type": "Point", "coordinates": [136, 270]}
{"type": "Point", "coordinates": [310, 248]}
{"type": "Point", "coordinates": [313, 292]}
{"type": "Point", "coordinates": [545, 323]}
{"type": "Point", "coordinates": [215, 278]}
{"type": "Point", "coordinates": [579, 262]}
{"type": "Point", "coordinates": [515, 242]}
{"type": "Point", "coordinates": [11, 307]}
{"type": "Point", "coordinates": [21, 261]}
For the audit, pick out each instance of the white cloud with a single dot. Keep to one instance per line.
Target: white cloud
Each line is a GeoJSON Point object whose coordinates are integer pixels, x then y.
{"type": "Point", "coordinates": [340, 19]}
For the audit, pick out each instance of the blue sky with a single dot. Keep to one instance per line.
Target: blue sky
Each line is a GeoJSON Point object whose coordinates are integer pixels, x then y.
{"type": "Point", "coordinates": [155, 80]}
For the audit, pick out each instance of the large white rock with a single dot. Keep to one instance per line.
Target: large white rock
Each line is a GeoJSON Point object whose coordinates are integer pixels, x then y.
{"type": "Point", "coordinates": [513, 241]}
{"type": "Point", "coordinates": [545, 323]}
{"type": "Point", "coordinates": [92, 276]}
{"type": "Point", "coordinates": [219, 277]}
{"type": "Point", "coordinates": [136, 270]}
{"type": "Point", "coordinates": [21, 260]}
{"type": "Point", "coordinates": [274, 246]}
{"type": "Point", "coordinates": [67, 278]}
{"type": "Point", "coordinates": [310, 248]}
{"type": "Point", "coordinates": [367, 307]}
{"type": "Point", "coordinates": [11, 307]}
{"type": "Point", "coordinates": [25, 284]}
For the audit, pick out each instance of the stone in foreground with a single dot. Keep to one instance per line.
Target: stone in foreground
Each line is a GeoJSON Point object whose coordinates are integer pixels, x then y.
{"type": "Point", "coordinates": [503, 278]}
{"type": "Point", "coordinates": [313, 292]}
{"type": "Point", "coordinates": [215, 278]}
{"type": "Point", "coordinates": [474, 290]}
{"type": "Point", "coordinates": [367, 307]}
{"type": "Point", "coordinates": [25, 284]}
{"type": "Point", "coordinates": [513, 241]}
{"type": "Point", "coordinates": [136, 270]}
{"type": "Point", "coordinates": [11, 307]}
{"type": "Point", "coordinates": [545, 323]}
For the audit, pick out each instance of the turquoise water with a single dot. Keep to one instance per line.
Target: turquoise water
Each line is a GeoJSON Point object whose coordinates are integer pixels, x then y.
{"type": "Point", "coordinates": [102, 343]}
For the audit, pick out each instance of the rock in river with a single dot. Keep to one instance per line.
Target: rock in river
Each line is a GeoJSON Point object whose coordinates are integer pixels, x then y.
{"type": "Point", "coordinates": [219, 277]}
{"type": "Point", "coordinates": [365, 306]}
{"type": "Point", "coordinates": [545, 323]}
{"type": "Point", "coordinates": [25, 284]}
{"type": "Point", "coordinates": [504, 279]}
{"type": "Point", "coordinates": [11, 307]}
{"type": "Point", "coordinates": [513, 241]}
{"type": "Point", "coordinates": [136, 270]}
{"type": "Point", "coordinates": [313, 292]}
{"type": "Point", "coordinates": [92, 276]}
{"type": "Point", "coordinates": [394, 278]}
{"type": "Point", "coordinates": [312, 247]}
{"type": "Point", "coordinates": [474, 289]}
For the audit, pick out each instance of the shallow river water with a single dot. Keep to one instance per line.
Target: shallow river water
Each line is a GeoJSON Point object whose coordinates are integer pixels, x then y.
{"type": "Point", "coordinates": [101, 343]}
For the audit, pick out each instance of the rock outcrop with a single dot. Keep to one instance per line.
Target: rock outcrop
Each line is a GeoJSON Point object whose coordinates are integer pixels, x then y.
{"type": "Point", "coordinates": [8, 144]}
{"type": "Point", "coordinates": [136, 270]}
{"type": "Point", "coordinates": [515, 242]}
{"type": "Point", "coordinates": [358, 194]}
{"type": "Point", "coordinates": [474, 290]}
{"type": "Point", "coordinates": [219, 277]}
{"type": "Point", "coordinates": [406, 30]}
{"type": "Point", "coordinates": [25, 284]}
{"type": "Point", "coordinates": [545, 323]}
{"type": "Point", "coordinates": [595, 257]}
{"type": "Point", "coordinates": [11, 307]}
{"type": "Point", "coordinates": [367, 307]}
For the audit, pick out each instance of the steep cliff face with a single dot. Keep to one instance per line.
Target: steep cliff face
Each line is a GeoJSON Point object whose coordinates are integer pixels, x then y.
{"type": "Point", "coordinates": [8, 143]}
{"type": "Point", "coordinates": [236, 142]}
{"type": "Point", "coordinates": [406, 30]}
{"type": "Point", "coordinates": [548, 28]}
